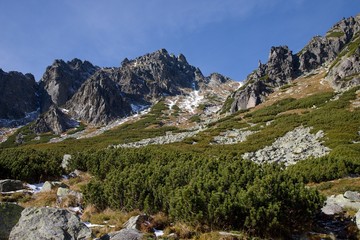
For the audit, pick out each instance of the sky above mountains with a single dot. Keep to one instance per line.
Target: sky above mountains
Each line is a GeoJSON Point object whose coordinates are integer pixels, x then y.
{"type": "Point", "coordinates": [225, 36]}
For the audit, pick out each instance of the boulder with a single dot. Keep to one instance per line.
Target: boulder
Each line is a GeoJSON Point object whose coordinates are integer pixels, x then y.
{"type": "Point", "coordinates": [65, 162]}
{"type": "Point", "coordinates": [357, 219]}
{"type": "Point", "coordinates": [8, 185]}
{"type": "Point", "coordinates": [49, 223]}
{"type": "Point", "coordinates": [48, 186]}
{"type": "Point", "coordinates": [9, 216]}
{"type": "Point", "coordinates": [137, 221]}
{"type": "Point", "coordinates": [336, 204]}
{"type": "Point", "coordinates": [124, 234]}
{"type": "Point", "coordinates": [352, 196]}
{"type": "Point", "coordinates": [67, 194]}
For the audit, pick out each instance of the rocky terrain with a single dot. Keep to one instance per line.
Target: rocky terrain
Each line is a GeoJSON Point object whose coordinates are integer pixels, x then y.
{"type": "Point", "coordinates": [295, 145]}
{"type": "Point", "coordinates": [217, 145]}
{"type": "Point", "coordinates": [19, 102]}
{"type": "Point", "coordinates": [78, 90]}
{"type": "Point", "coordinates": [340, 44]}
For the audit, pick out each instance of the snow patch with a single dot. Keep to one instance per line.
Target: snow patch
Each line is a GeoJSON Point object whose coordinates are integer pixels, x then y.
{"type": "Point", "coordinates": [158, 233]}
{"type": "Point", "coordinates": [136, 108]}
{"type": "Point", "coordinates": [90, 225]}
{"type": "Point", "coordinates": [191, 102]}
{"type": "Point", "coordinates": [36, 187]}
{"type": "Point", "coordinates": [66, 111]}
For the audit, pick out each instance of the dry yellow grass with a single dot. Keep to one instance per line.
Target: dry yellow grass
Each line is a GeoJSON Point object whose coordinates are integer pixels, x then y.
{"type": "Point", "coordinates": [300, 88]}
{"type": "Point", "coordinates": [339, 186]}
{"type": "Point", "coordinates": [41, 199]}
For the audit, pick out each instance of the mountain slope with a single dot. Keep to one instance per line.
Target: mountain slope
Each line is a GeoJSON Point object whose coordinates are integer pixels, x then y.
{"type": "Point", "coordinates": [283, 66]}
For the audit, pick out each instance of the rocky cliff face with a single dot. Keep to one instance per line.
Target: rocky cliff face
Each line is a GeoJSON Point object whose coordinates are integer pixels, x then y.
{"type": "Point", "coordinates": [99, 96]}
{"type": "Point", "coordinates": [98, 101]}
{"type": "Point", "coordinates": [339, 48]}
{"type": "Point", "coordinates": [62, 80]}
{"type": "Point", "coordinates": [54, 120]}
{"type": "Point", "coordinates": [281, 68]}
{"type": "Point", "coordinates": [157, 74]}
{"type": "Point", "coordinates": [18, 98]}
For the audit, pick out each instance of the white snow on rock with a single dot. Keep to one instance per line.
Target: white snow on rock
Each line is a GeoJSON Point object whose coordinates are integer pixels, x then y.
{"type": "Point", "coordinates": [191, 102]}
{"type": "Point", "coordinates": [158, 233]}
{"type": "Point", "coordinates": [36, 187]}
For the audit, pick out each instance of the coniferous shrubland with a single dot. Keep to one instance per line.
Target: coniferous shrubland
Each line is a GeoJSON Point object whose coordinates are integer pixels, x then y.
{"type": "Point", "coordinates": [29, 164]}
{"type": "Point", "coordinates": [223, 192]}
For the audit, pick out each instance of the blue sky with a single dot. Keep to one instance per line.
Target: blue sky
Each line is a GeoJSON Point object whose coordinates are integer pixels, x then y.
{"type": "Point", "coordinates": [225, 36]}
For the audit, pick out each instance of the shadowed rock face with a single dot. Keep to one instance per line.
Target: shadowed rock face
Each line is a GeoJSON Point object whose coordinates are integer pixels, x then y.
{"type": "Point", "coordinates": [10, 214]}
{"type": "Point", "coordinates": [62, 79]}
{"type": "Point", "coordinates": [54, 121]}
{"type": "Point", "coordinates": [18, 95]}
{"type": "Point", "coordinates": [283, 66]}
{"type": "Point", "coordinates": [99, 101]}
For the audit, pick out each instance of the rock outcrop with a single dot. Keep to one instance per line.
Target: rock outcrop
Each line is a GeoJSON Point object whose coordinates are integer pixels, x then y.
{"type": "Point", "coordinates": [124, 234]}
{"type": "Point", "coordinates": [157, 74]}
{"type": "Point", "coordinates": [340, 48]}
{"type": "Point", "coordinates": [62, 80]}
{"type": "Point", "coordinates": [9, 216]}
{"type": "Point", "coordinates": [8, 185]}
{"type": "Point", "coordinates": [49, 223]}
{"type": "Point", "coordinates": [99, 101]}
{"type": "Point", "coordinates": [337, 204]}
{"type": "Point", "coordinates": [98, 96]}
{"type": "Point", "coordinates": [54, 120]}
{"type": "Point", "coordinates": [294, 146]}
{"type": "Point", "coordinates": [18, 100]}
{"type": "Point", "coordinates": [281, 68]}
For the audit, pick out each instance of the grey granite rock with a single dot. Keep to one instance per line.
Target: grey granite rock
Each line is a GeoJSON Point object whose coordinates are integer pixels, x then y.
{"type": "Point", "coordinates": [49, 223]}
{"type": "Point", "coordinates": [8, 185]}
{"type": "Point", "coordinates": [9, 216]}
{"type": "Point", "coordinates": [294, 146]}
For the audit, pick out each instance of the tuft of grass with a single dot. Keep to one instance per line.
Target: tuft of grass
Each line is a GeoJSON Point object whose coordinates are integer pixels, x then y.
{"type": "Point", "coordinates": [336, 187]}
{"type": "Point", "coordinates": [42, 199]}
{"type": "Point", "coordinates": [334, 34]}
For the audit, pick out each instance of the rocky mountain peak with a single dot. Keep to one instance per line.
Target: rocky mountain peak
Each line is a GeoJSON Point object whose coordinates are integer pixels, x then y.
{"type": "Point", "coordinates": [99, 101]}
{"type": "Point", "coordinates": [156, 74]}
{"type": "Point", "coordinates": [341, 41]}
{"type": "Point", "coordinates": [18, 97]}
{"type": "Point", "coordinates": [62, 79]}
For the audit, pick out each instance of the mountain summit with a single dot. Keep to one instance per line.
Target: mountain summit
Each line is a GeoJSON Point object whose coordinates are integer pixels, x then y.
{"type": "Point", "coordinates": [337, 51]}
{"type": "Point", "coordinates": [80, 91]}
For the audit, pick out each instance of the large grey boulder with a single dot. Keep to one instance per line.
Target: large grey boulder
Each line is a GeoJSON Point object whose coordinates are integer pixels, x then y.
{"type": "Point", "coordinates": [48, 186]}
{"type": "Point", "coordinates": [337, 204]}
{"type": "Point", "coordinates": [49, 223]}
{"type": "Point", "coordinates": [136, 222]}
{"type": "Point", "coordinates": [352, 196]}
{"type": "Point", "coordinates": [124, 234]}
{"type": "Point", "coordinates": [9, 216]}
{"type": "Point", "coordinates": [357, 219]}
{"type": "Point", "coordinates": [8, 185]}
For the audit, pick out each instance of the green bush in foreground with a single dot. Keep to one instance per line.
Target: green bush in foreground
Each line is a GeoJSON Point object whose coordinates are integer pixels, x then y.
{"type": "Point", "coordinates": [221, 192]}
{"type": "Point", "coordinates": [29, 164]}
